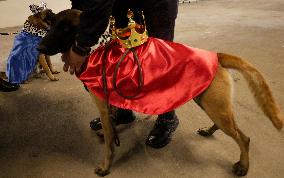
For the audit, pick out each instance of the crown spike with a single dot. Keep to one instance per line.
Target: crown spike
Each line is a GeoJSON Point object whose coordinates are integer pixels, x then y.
{"type": "Point", "coordinates": [130, 14]}
{"type": "Point", "coordinates": [131, 36]}
{"type": "Point", "coordinates": [112, 26]}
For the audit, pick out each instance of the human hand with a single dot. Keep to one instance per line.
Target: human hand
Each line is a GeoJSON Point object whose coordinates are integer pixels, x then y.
{"type": "Point", "coordinates": [72, 61]}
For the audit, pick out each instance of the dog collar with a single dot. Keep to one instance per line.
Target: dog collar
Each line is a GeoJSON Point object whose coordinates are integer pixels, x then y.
{"type": "Point", "coordinates": [30, 28]}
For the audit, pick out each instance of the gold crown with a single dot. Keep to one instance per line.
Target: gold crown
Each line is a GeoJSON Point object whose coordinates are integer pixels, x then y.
{"type": "Point", "coordinates": [131, 36]}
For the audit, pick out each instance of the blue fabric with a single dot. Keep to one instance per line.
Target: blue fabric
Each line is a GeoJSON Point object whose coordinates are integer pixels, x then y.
{"type": "Point", "coordinates": [23, 57]}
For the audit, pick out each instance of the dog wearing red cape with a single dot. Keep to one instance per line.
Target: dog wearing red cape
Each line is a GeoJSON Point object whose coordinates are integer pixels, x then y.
{"type": "Point", "coordinates": [156, 76]}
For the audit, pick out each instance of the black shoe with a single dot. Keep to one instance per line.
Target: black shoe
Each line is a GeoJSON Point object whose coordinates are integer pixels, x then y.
{"type": "Point", "coordinates": [124, 116]}
{"type": "Point", "coordinates": [162, 132]}
{"type": "Point", "coordinates": [7, 86]}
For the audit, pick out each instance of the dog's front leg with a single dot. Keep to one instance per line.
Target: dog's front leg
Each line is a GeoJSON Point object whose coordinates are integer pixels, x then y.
{"type": "Point", "coordinates": [43, 63]}
{"type": "Point", "coordinates": [48, 61]}
{"type": "Point", "coordinates": [103, 169]}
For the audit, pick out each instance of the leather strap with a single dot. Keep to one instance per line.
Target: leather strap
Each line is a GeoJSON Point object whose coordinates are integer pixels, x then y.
{"type": "Point", "coordinates": [140, 81]}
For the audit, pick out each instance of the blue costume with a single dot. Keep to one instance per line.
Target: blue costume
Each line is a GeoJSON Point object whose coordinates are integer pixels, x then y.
{"type": "Point", "coordinates": [23, 57]}
{"type": "Point", "coordinates": [24, 54]}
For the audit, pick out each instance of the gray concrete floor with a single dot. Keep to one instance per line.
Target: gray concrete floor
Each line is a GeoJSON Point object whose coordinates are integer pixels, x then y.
{"type": "Point", "coordinates": [44, 128]}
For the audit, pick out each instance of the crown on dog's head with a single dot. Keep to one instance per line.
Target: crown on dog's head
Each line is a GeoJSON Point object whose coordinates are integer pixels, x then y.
{"type": "Point", "coordinates": [37, 9]}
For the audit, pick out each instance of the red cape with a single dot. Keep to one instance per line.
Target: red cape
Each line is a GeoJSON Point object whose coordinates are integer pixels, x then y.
{"type": "Point", "coordinates": [173, 74]}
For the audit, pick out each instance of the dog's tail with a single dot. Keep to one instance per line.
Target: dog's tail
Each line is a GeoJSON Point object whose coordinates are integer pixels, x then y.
{"type": "Point", "coordinates": [258, 86]}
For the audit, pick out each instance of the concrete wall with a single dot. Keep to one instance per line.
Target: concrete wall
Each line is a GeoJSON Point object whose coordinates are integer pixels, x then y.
{"type": "Point", "coordinates": [15, 12]}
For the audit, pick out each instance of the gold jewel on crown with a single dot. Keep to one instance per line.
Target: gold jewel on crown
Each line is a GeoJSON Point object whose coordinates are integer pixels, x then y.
{"type": "Point", "coordinates": [131, 36]}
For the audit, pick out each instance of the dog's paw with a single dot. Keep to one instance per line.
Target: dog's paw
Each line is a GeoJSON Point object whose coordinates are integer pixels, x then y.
{"type": "Point", "coordinates": [54, 79]}
{"type": "Point", "coordinates": [239, 169]}
{"type": "Point", "coordinates": [204, 132]}
{"type": "Point", "coordinates": [101, 171]}
{"type": "Point", "coordinates": [55, 72]}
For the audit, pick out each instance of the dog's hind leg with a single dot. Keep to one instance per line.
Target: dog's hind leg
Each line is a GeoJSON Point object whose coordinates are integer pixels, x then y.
{"type": "Point", "coordinates": [108, 131]}
{"type": "Point", "coordinates": [206, 132]}
{"type": "Point", "coordinates": [216, 101]}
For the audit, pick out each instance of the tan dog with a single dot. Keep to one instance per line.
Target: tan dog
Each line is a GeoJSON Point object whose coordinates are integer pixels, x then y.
{"type": "Point", "coordinates": [216, 100]}
{"type": "Point", "coordinates": [42, 20]}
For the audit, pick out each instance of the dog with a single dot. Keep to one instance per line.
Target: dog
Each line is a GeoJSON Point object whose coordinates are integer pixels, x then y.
{"type": "Point", "coordinates": [216, 100]}
{"type": "Point", "coordinates": [22, 63]}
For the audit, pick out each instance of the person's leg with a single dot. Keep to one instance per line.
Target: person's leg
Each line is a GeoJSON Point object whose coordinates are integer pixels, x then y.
{"type": "Point", "coordinates": [123, 116]}
{"type": "Point", "coordinates": [166, 123]}
{"type": "Point", "coordinates": [160, 32]}
{"type": "Point", "coordinates": [163, 129]}
{"type": "Point", "coordinates": [160, 18]}
{"type": "Point", "coordinates": [160, 23]}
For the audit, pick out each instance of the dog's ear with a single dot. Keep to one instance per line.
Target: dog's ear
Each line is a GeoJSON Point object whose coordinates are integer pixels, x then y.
{"type": "Point", "coordinates": [42, 15]}
{"type": "Point", "coordinates": [46, 16]}
{"type": "Point", "coordinates": [50, 17]}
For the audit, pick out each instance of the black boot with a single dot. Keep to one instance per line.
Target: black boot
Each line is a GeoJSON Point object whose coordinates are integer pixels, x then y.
{"type": "Point", "coordinates": [162, 132]}
{"type": "Point", "coordinates": [8, 87]}
{"type": "Point", "coordinates": [124, 116]}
